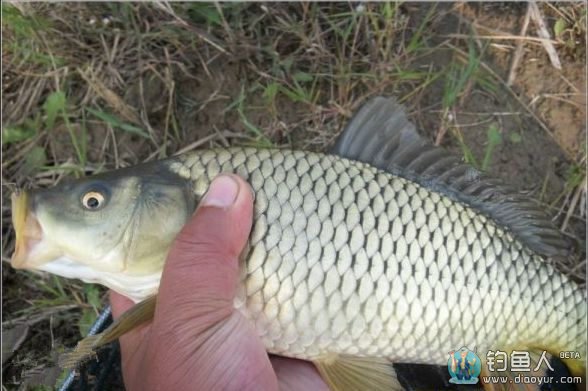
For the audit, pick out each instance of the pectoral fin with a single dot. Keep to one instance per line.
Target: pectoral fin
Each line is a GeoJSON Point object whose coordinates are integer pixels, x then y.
{"type": "Point", "coordinates": [349, 373]}
{"type": "Point", "coordinates": [135, 316]}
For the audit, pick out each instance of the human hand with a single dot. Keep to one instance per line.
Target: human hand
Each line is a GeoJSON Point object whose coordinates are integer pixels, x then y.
{"type": "Point", "coordinates": [197, 340]}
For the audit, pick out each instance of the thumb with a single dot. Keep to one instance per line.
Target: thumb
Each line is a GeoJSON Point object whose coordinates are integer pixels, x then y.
{"type": "Point", "coordinates": [202, 269]}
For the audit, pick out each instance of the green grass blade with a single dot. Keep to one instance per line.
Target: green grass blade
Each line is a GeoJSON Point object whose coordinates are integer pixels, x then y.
{"type": "Point", "coordinates": [52, 106]}
{"type": "Point", "coordinates": [116, 123]}
{"type": "Point", "coordinates": [494, 139]}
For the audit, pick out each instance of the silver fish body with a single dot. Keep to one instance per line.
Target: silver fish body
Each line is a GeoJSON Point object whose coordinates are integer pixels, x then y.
{"type": "Point", "coordinates": [348, 259]}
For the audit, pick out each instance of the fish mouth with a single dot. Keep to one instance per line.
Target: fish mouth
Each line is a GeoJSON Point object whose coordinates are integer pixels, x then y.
{"type": "Point", "coordinates": [31, 249]}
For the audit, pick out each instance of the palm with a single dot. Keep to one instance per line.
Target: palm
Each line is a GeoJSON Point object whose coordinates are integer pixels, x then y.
{"type": "Point", "coordinates": [228, 355]}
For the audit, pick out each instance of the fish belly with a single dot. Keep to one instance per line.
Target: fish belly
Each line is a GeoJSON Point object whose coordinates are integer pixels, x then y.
{"type": "Point", "coordinates": [345, 258]}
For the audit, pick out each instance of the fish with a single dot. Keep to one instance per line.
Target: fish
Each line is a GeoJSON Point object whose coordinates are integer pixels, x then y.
{"type": "Point", "coordinates": [384, 251]}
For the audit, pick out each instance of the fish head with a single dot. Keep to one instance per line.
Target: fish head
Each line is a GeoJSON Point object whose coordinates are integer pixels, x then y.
{"type": "Point", "coordinates": [120, 224]}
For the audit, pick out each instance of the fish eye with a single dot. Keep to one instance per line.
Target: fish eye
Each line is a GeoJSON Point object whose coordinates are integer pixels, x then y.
{"type": "Point", "coordinates": [93, 200]}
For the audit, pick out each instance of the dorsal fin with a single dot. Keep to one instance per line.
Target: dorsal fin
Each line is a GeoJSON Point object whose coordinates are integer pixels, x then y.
{"type": "Point", "coordinates": [381, 135]}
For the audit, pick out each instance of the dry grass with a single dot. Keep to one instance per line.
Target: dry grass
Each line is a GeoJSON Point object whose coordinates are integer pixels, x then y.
{"type": "Point", "coordinates": [91, 87]}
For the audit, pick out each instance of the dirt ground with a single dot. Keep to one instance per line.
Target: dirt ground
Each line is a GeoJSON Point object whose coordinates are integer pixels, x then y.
{"type": "Point", "coordinates": [289, 75]}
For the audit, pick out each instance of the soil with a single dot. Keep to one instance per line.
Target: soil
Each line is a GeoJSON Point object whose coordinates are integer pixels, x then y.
{"type": "Point", "coordinates": [540, 155]}
{"type": "Point", "coordinates": [557, 96]}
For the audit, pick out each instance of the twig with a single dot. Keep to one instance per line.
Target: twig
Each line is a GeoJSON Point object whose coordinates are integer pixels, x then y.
{"type": "Point", "coordinates": [23, 151]}
{"type": "Point", "coordinates": [223, 139]}
{"type": "Point", "coordinates": [519, 50]}
{"type": "Point", "coordinates": [32, 319]}
{"type": "Point", "coordinates": [223, 135]}
{"type": "Point", "coordinates": [559, 98]}
{"type": "Point", "coordinates": [478, 113]}
{"type": "Point", "coordinates": [166, 7]}
{"type": "Point", "coordinates": [498, 34]}
{"type": "Point", "coordinates": [570, 84]}
{"type": "Point", "coordinates": [477, 123]}
{"type": "Point", "coordinates": [111, 97]}
{"type": "Point", "coordinates": [544, 33]}
{"type": "Point", "coordinates": [445, 118]}
{"type": "Point", "coordinates": [197, 143]}
{"type": "Point", "coordinates": [573, 203]}
{"type": "Point", "coordinates": [506, 37]}
{"type": "Point", "coordinates": [503, 47]}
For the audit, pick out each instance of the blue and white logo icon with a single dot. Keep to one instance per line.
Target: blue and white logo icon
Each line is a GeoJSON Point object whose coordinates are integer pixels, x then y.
{"type": "Point", "coordinates": [464, 366]}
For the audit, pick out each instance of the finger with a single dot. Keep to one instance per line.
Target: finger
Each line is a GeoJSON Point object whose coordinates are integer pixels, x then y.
{"type": "Point", "coordinates": [132, 344]}
{"type": "Point", "coordinates": [201, 272]}
{"type": "Point", "coordinates": [120, 304]}
{"type": "Point", "coordinates": [129, 341]}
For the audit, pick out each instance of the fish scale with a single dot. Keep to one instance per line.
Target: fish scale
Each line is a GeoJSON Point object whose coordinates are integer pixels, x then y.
{"type": "Point", "coordinates": [346, 258]}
